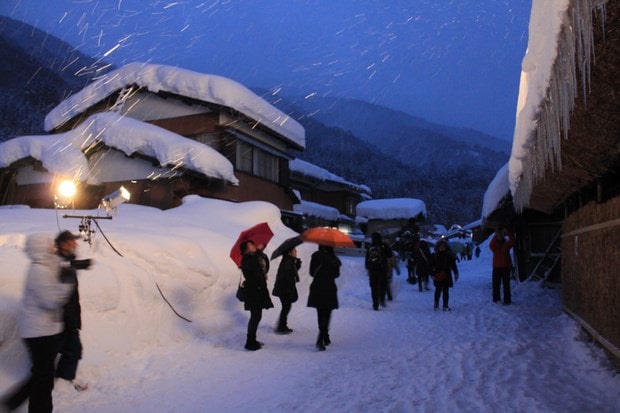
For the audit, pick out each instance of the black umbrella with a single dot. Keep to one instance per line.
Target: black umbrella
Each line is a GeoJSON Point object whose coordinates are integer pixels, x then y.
{"type": "Point", "coordinates": [287, 245]}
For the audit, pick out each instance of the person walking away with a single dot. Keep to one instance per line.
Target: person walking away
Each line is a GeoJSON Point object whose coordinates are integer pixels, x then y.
{"type": "Point", "coordinates": [324, 269]}
{"type": "Point", "coordinates": [444, 264]}
{"type": "Point", "coordinates": [40, 324]}
{"type": "Point", "coordinates": [257, 298]}
{"type": "Point", "coordinates": [500, 245]}
{"type": "Point", "coordinates": [376, 263]}
{"type": "Point", "coordinates": [285, 288]}
{"type": "Point", "coordinates": [424, 267]}
{"type": "Point", "coordinates": [70, 343]}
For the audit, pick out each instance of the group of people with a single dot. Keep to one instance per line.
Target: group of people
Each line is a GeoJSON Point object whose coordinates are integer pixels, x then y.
{"type": "Point", "coordinates": [439, 266]}
{"type": "Point", "coordinates": [49, 320]}
{"type": "Point", "coordinates": [323, 295]}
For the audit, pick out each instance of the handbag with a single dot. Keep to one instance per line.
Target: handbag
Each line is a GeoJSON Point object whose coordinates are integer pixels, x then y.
{"type": "Point", "coordinates": [242, 294]}
{"type": "Point", "coordinates": [440, 276]}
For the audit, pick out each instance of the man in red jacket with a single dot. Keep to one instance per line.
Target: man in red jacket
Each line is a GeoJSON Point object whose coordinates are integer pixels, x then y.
{"type": "Point", "coordinates": [500, 244]}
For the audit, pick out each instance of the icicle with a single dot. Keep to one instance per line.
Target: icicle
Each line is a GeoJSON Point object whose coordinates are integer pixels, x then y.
{"type": "Point", "coordinates": [575, 57]}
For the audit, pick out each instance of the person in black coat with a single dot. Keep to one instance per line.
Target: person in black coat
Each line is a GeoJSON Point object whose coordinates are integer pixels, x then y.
{"type": "Point", "coordinates": [70, 343]}
{"type": "Point", "coordinates": [377, 266]}
{"type": "Point", "coordinates": [255, 286]}
{"type": "Point", "coordinates": [324, 269]}
{"type": "Point", "coordinates": [423, 267]}
{"type": "Point", "coordinates": [285, 288]}
{"type": "Point", "coordinates": [444, 264]}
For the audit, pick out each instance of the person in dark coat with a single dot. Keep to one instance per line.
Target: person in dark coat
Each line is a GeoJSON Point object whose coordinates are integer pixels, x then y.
{"type": "Point", "coordinates": [377, 265]}
{"type": "Point", "coordinates": [444, 264]}
{"type": "Point", "coordinates": [285, 288]}
{"type": "Point", "coordinates": [70, 343]}
{"type": "Point", "coordinates": [255, 285]}
{"type": "Point", "coordinates": [424, 267]}
{"type": "Point", "coordinates": [324, 269]}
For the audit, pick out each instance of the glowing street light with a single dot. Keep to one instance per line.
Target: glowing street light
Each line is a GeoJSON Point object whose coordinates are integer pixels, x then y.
{"type": "Point", "coordinates": [64, 194]}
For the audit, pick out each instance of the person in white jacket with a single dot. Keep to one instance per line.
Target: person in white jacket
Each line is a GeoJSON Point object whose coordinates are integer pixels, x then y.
{"type": "Point", "coordinates": [40, 323]}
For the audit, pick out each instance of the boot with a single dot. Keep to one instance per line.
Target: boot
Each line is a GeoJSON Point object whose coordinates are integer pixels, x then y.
{"type": "Point", "coordinates": [326, 340]}
{"type": "Point", "coordinates": [251, 343]}
{"type": "Point", "coordinates": [319, 343]}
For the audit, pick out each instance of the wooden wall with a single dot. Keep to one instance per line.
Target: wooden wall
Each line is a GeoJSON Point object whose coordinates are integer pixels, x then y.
{"type": "Point", "coordinates": [591, 270]}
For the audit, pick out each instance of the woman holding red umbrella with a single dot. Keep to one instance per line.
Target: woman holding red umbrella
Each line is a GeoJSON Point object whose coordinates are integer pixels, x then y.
{"type": "Point", "coordinates": [255, 285]}
{"type": "Point", "coordinates": [324, 268]}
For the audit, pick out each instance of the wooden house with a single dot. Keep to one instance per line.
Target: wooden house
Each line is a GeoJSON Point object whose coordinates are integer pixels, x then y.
{"type": "Point", "coordinates": [252, 136]}
{"type": "Point", "coordinates": [564, 198]}
{"type": "Point", "coordinates": [325, 199]}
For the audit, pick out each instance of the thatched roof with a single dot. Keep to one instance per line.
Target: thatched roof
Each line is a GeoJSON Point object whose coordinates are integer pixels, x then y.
{"type": "Point", "coordinates": [591, 144]}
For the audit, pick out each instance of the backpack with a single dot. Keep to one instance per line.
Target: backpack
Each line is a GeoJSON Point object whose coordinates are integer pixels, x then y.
{"type": "Point", "coordinates": [376, 257]}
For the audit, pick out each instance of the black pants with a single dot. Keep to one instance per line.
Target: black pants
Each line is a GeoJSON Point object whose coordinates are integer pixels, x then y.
{"type": "Point", "coordinates": [501, 276]}
{"type": "Point", "coordinates": [378, 281]}
{"type": "Point", "coordinates": [423, 281]}
{"type": "Point", "coordinates": [70, 354]}
{"type": "Point", "coordinates": [323, 318]}
{"type": "Point", "coordinates": [286, 308]}
{"type": "Point", "coordinates": [442, 288]}
{"type": "Point", "coordinates": [38, 388]}
{"type": "Point", "coordinates": [255, 317]}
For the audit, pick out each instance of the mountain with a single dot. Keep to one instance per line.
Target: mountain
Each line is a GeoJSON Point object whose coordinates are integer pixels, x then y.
{"type": "Point", "coordinates": [395, 154]}
{"type": "Point", "coordinates": [398, 155]}
{"type": "Point", "coordinates": [37, 71]}
{"type": "Point", "coordinates": [408, 138]}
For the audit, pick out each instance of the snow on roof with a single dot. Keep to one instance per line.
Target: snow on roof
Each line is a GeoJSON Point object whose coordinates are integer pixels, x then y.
{"type": "Point", "coordinates": [497, 189]}
{"type": "Point", "coordinates": [545, 24]}
{"type": "Point", "coordinates": [394, 208]}
{"type": "Point", "coordinates": [317, 210]}
{"type": "Point", "coordinates": [207, 88]}
{"type": "Point", "coordinates": [309, 169]}
{"type": "Point", "coordinates": [560, 34]}
{"type": "Point", "coordinates": [63, 153]}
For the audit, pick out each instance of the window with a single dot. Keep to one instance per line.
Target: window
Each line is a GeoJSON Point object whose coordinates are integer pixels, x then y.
{"type": "Point", "coordinates": [209, 139]}
{"type": "Point", "coordinates": [257, 162]}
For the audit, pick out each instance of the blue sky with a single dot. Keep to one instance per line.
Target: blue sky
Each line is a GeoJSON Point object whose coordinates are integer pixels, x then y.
{"type": "Point", "coordinates": [455, 62]}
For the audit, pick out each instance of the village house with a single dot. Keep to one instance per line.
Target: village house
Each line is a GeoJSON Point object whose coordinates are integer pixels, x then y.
{"type": "Point", "coordinates": [162, 133]}
{"type": "Point", "coordinates": [325, 199]}
{"type": "Point", "coordinates": [560, 192]}
{"type": "Point", "coordinates": [390, 216]}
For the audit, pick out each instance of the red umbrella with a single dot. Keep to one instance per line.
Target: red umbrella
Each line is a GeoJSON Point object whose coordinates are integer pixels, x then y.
{"type": "Point", "coordinates": [258, 234]}
{"type": "Point", "coordinates": [327, 236]}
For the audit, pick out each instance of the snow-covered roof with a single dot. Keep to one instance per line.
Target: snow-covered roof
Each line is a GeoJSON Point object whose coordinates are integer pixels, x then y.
{"type": "Point", "coordinates": [391, 208]}
{"type": "Point", "coordinates": [308, 169]}
{"type": "Point", "coordinates": [203, 87]}
{"type": "Point", "coordinates": [317, 210]}
{"type": "Point", "coordinates": [64, 153]}
{"type": "Point", "coordinates": [497, 189]}
{"type": "Point", "coordinates": [560, 39]}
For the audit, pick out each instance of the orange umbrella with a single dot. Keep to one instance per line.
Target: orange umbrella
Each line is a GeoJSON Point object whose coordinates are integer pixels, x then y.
{"type": "Point", "coordinates": [327, 236]}
{"type": "Point", "coordinates": [258, 234]}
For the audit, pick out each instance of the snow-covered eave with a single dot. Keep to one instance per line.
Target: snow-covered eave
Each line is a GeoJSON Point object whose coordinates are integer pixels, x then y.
{"type": "Point", "coordinates": [496, 191]}
{"type": "Point", "coordinates": [315, 209]}
{"type": "Point", "coordinates": [391, 208]}
{"type": "Point", "coordinates": [306, 169]}
{"type": "Point", "coordinates": [65, 153]}
{"type": "Point", "coordinates": [203, 87]}
{"type": "Point", "coordinates": [560, 49]}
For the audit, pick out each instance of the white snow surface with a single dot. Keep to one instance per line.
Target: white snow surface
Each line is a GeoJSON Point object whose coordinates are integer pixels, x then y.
{"type": "Point", "coordinates": [64, 153]}
{"type": "Point", "coordinates": [545, 23]}
{"type": "Point", "coordinates": [312, 170]}
{"type": "Point", "coordinates": [317, 210]}
{"type": "Point", "coordinates": [140, 357]}
{"type": "Point", "coordinates": [204, 87]}
{"type": "Point", "coordinates": [391, 208]}
{"type": "Point", "coordinates": [497, 189]}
